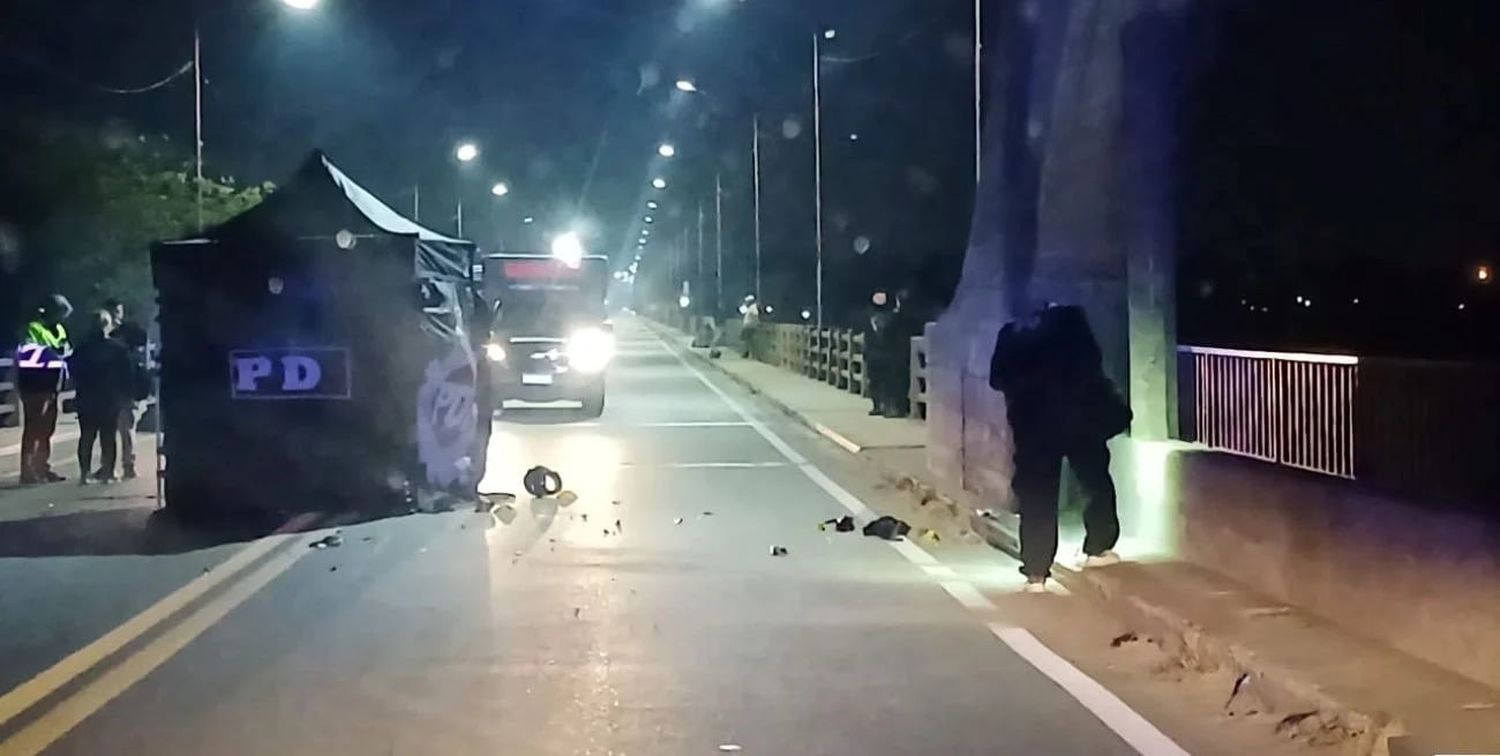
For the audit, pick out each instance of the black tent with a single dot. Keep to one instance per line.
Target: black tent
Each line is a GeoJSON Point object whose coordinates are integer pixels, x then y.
{"type": "Point", "coordinates": [316, 354]}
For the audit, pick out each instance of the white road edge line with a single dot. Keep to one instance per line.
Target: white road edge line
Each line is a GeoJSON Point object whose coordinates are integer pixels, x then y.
{"type": "Point", "coordinates": [14, 449]}
{"type": "Point", "coordinates": [1134, 729]}
{"type": "Point", "coordinates": [1114, 713]}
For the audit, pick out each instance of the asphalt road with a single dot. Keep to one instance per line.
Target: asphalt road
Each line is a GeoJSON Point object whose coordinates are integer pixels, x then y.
{"type": "Point", "coordinates": [648, 617]}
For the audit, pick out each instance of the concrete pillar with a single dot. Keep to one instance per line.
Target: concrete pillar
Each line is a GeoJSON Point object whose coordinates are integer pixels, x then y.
{"type": "Point", "coordinates": [1076, 208]}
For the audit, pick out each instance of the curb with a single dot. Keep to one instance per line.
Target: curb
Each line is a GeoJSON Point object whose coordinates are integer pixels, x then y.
{"type": "Point", "coordinates": [1261, 686]}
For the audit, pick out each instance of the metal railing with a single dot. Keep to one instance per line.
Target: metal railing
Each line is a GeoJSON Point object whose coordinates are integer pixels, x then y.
{"type": "Point", "coordinates": [1429, 430]}
{"type": "Point", "coordinates": [918, 392]}
{"type": "Point", "coordinates": [833, 356]}
{"type": "Point", "coordinates": [1293, 409]}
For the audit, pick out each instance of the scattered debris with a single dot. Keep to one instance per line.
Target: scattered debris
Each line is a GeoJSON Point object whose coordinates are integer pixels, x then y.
{"type": "Point", "coordinates": [327, 542]}
{"type": "Point", "coordinates": [505, 513]}
{"type": "Point", "coordinates": [585, 516]}
{"type": "Point", "coordinates": [1478, 706]}
{"type": "Point", "coordinates": [730, 748]}
{"type": "Point", "coordinates": [367, 539]}
{"type": "Point", "coordinates": [618, 527]}
{"type": "Point", "coordinates": [334, 568]}
{"type": "Point", "coordinates": [778, 551]}
{"type": "Point", "coordinates": [843, 524]}
{"type": "Point", "coordinates": [607, 533]}
{"type": "Point", "coordinates": [932, 536]}
{"type": "Point", "coordinates": [985, 513]}
{"type": "Point", "coordinates": [708, 514]}
{"type": "Point", "coordinates": [888, 528]}
{"type": "Point", "coordinates": [1267, 611]}
{"type": "Point", "coordinates": [678, 521]}
{"type": "Point", "coordinates": [518, 553]}
{"type": "Point", "coordinates": [577, 611]}
{"type": "Point", "coordinates": [1123, 638]}
{"type": "Point", "coordinates": [540, 481]}
{"type": "Point", "coordinates": [616, 502]}
{"type": "Point", "coordinates": [1292, 723]}
{"type": "Point", "coordinates": [566, 498]}
{"type": "Point", "coordinates": [714, 354]}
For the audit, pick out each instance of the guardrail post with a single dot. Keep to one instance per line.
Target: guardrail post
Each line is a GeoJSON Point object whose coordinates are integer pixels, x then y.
{"type": "Point", "coordinates": [10, 398]}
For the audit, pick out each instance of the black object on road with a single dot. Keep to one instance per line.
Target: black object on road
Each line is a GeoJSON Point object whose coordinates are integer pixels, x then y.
{"type": "Point", "coordinates": [540, 481]}
{"type": "Point", "coordinates": [327, 542]}
{"type": "Point", "coordinates": [778, 551]}
{"type": "Point", "coordinates": [888, 528]}
{"type": "Point", "coordinates": [843, 524]}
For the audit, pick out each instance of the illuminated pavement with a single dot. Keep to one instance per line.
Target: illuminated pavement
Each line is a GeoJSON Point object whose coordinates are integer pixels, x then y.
{"type": "Point", "coordinates": [646, 618]}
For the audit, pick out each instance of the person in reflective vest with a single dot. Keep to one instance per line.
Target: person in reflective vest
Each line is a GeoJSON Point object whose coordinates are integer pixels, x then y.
{"type": "Point", "coordinates": [41, 368]}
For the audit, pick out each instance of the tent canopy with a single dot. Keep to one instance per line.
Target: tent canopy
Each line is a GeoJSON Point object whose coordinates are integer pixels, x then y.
{"type": "Point", "coordinates": [320, 200]}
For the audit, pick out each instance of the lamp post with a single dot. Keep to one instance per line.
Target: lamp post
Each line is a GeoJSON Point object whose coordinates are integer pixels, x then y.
{"type": "Point", "coordinates": [817, 73]}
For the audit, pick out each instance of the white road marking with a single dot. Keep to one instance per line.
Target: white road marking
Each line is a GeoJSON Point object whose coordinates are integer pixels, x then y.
{"type": "Point", "coordinates": [709, 465]}
{"type": "Point", "coordinates": [1114, 713]}
{"type": "Point", "coordinates": [57, 438]}
{"type": "Point", "coordinates": [1134, 729]}
{"type": "Point", "coordinates": [940, 570]}
{"type": "Point", "coordinates": [966, 594]}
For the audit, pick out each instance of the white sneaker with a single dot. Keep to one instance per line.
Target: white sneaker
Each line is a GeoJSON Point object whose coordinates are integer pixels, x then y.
{"type": "Point", "coordinates": [1104, 559]}
{"type": "Point", "coordinates": [1035, 586]}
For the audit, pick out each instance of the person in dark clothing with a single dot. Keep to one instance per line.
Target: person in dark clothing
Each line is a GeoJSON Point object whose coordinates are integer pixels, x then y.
{"type": "Point", "coordinates": [104, 382]}
{"type": "Point", "coordinates": [1060, 406]}
{"type": "Point", "coordinates": [134, 339]}
{"type": "Point", "coordinates": [41, 368]}
{"type": "Point", "coordinates": [878, 326]}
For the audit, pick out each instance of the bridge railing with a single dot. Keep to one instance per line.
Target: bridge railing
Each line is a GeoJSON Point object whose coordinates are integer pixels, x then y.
{"type": "Point", "coordinates": [1428, 429]}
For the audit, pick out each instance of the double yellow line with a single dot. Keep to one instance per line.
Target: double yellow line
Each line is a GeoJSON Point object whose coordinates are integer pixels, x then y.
{"type": "Point", "coordinates": [57, 721]}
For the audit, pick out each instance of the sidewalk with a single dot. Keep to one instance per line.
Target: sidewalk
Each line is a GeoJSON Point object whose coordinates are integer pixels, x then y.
{"type": "Point", "coordinates": [1325, 685]}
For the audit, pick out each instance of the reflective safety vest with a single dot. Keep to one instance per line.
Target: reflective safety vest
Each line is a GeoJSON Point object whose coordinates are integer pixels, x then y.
{"type": "Point", "coordinates": [45, 348]}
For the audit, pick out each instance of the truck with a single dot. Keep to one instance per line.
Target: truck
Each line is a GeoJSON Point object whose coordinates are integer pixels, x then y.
{"type": "Point", "coordinates": [550, 338]}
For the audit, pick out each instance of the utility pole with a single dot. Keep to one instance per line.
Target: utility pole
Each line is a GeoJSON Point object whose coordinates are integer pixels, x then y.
{"type": "Point", "coordinates": [818, 161]}
{"type": "Point", "coordinates": [718, 243]}
{"type": "Point", "coordinates": [755, 161]}
{"type": "Point", "coordinates": [198, 117]}
{"type": "Point", "coordinates": [416, 202]}
{"type": "Point", "coordinates": [978, 90]}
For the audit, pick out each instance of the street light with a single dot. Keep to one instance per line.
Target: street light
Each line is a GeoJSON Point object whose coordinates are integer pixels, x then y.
{"type": "Point", "coordinates": [686, 85]}
{"type": "Point", "coordinates": [466, 152]}
{"type": "Point", "coordinates": [651, 205]}
{"type": "Point", "coordinates": [500, 189]}
{"type": "Point", "coordinates": [568, 248]}
{"type": "Point", "coordinates": [666, 151]}
{"type": "Point", "coordinates": [1483, 274]}
{"type": "Point", "coordinates": [649, 219]}
{"type": "Point", "coordinates": [302, 5]}
{"type": "Point", "coordinates": [659, 183]}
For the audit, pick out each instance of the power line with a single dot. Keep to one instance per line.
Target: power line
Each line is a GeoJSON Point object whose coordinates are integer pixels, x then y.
{"type": "Point", "coordinates": [45, 67]}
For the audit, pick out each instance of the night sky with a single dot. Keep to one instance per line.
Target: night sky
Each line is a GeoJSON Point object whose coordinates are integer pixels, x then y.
{"type": "Point", "coordinates": [567, 98]}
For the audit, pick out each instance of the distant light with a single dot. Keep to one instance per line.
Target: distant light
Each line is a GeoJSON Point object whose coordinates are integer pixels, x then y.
{"type": "Point", "coordinates": [1483, 274]}
{"type": "Point", "coordinates": [1462, 306]}
{"type": "Point", "coordinates": [494, 352]}
{"type": "Point", "coordinates": [770, 309]}
{"type": "Point", "coordinates": [1307, 303]}
{"type": "Point", "coordinates": [466, 152]}
{"type": "Point", "coordinates": [528, 220]}
{"type": "Point", "coordinates": [659, 183]}
{"type": "Point", "coordinates": [686, 85]}
{"type": "Point", "coordinates": [651, 205]}
{"type": "Point", "coordinates": [302, 5]}
{"type": "Point", "coordinates": [666, 151]}
{"type": "Point", "coordinates": [1299, 299]}
{"type": "Point", "coordinates": [830, 33]}
{"type": "Point", "coordinates": [645, 232]}
{"type": "Point", "coordinates": [500, 189]}
{"type": "Point", "coordinates": [807, 315]}
{"type": "Point", "coordinates": [854, 137]}
{"type": "Point", "coordinates": [568, 248]}
{"type": "Point", "coordinates": [683, 301]}
{"type": "Point", "coordinates": [650, 219]}
{"type": "Point", "coordinates": [1356, 300]}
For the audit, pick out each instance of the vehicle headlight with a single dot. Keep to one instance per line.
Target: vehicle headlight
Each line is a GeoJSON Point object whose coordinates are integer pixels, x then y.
{"type": "Point", "coordinates": [590, 350]}
{"type": "Point", "coordinates": [494, 352]}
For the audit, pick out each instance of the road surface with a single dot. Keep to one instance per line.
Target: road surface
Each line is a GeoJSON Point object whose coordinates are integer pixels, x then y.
{"type": "Point", "coordinates": [647, 617]}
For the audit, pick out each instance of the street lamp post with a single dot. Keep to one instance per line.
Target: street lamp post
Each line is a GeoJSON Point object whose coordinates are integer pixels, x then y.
{"type": "Point", "coordinates": [818, 159]}
{"type": "Point", "coordinates": [718, 244]}
{"type": "Point", "coordinates": [755, 162]}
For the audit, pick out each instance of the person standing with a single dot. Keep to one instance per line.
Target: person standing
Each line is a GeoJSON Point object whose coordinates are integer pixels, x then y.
{"type": "Point", "coordinates": [134, 339]}
{"type": "Point", "coordinates": [750, 327]}
{"type": "Point", "coordinates": [1060, 406]}
{"type": "Point", "coordinates": [41, 367]}
{"type": "Point", "coordinates": [878, 326]}
{"type": "Point", "coordinates": [103, 381]}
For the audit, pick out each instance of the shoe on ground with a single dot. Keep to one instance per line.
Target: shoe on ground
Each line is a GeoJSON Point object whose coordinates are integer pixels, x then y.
{"type": "Point", "coordinates": [1034, 585]}
{"type": "Point", "coordinates": [1102, 559]}
{"type": "Point", "coordinates": [129, 475]}
{"type": "Point", "coordinates": [876, 412]}
{"type": "Point", "coordinates": [105, 479]}
{"type": "Point", "coordinates": [53, 477]}
{"type": "Point", "coordinates": [83, 480]}
{"type": "Point", "coordinates": [100, 473]}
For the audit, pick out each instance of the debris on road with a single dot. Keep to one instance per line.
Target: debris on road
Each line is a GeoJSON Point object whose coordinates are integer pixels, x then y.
{"type": "Point", "coordinates": [566, 498]}
{"type": "Point", "coordinates": [618, 527]}
{"type": "Point", "coordinates": [708, 514]}
{"type": "Point", "coordinates": [843, 524]}
{"type": "Point", "coordinates": [541, 481]}
{"type": "Point", "coordinates": [585, 516]}
{"type": "Point", "coordinates": [327, 542]}
{"type": "Point", "coordinates": [577, 611]}
{"type": "Point", "coordinates": [888, 528]}
{"type": "Point", "coordinates": [932, 536]}
{"type": "Point", "coordinates": [334, 568]}
{"type": "Point", "coordinates": [778, 551]}
{"type": "Point", "coordinates": [1122, 639]}
{"type": "Point", "coordinates": [616, 502]}
{"type": "Point", "coordinates": [730, 748]}
{"type": "Point", "coordinates": [678, 521]}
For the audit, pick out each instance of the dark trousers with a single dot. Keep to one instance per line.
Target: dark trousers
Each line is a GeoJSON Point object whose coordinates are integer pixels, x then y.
{"type": "Point", "coordinates": [103, 429]}
{"type": "Point", "coordinates": [39, 410]}
{"type": "Point", "coordinates": [1038, 476]}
